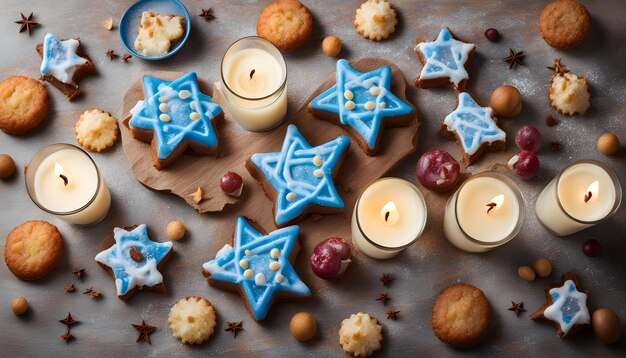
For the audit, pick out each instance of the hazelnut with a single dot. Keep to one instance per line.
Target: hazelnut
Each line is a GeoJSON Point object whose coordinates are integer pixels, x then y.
{"type": "Point", "coordinates": [175, 230]}
{"type": "Point", "coordinates": [608, 144]}
{"type": "Point", "coordinates": [19, 305]}
{"type": "Point", "coordinates": [331, 46]}
{"type": "Point", "coordinates": [7, 166]}
{"type": "Point", "coordinates": [542, 267]}
{"type": "Point", "coordinates": [526, 273]}
{"type": "Point", "coordinates": [506, 101]}
{"type": "Point", "coordinates": [303, 326]}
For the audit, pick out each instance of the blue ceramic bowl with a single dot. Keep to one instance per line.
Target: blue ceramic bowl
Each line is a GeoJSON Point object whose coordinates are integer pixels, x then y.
{"type": "Point", "coordinates": [131, 18]}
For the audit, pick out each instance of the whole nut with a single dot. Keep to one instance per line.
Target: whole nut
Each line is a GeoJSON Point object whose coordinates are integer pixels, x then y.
{"type": "Point", "coordinates": [7, 166]}
{"type": "Point", "coordinates": [526, 273]}
{"type": "Point", "coordinates": [506, 101]}
{"type": "Point", "coordinates": [19, 305]}
{"type": "Point", "coordinates": [331, 46]}
{"type": "Point", "coordinates": [608, 144]}
{"type": "Point", "coordinates": [175, 230]}
{"type": "Point", "coordinates": [542, 267]}
{"type": "Point", "coordinates": [303, 326]}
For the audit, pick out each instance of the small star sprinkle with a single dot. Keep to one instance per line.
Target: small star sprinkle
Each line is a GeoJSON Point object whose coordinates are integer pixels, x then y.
{"type": "Point", "coordinates": [68, 321]}
{"type": "Point", "coordinates": [67, 337]}
{"type": "Point", "coordinates": [126, 57]}
{"type": "Point", "coordinates": [517, 308]}
{"type": "Point", "coordinates": [383, 297]}
{"type": "Point", "coordinates": [143, 331]}
{"type": "Point", "coordinates": [69, 287]}
{"type": "Point", "coordinates": [27, 23]}
{"type": "Point", "coordinates": [78, 273]}
{"type": "Point", "coordinates": [386, 279]}
{"type": "Point", "coordinates": [111, 55]}
{"type": "Point", "coordinates": [391, 314]}
{"type": "Point", "coordinates": [91, 292]}
{"type": "Point", "coordinates": [208, 14]}
{"type": "Point", "coordinates": [515, 58]}
{"type": "Point", "coordinates": [558, 67]}
{"type": "Point", "coordinates": [234, 327]}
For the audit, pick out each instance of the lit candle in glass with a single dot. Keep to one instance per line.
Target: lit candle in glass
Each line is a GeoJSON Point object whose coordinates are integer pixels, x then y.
{"type": "Point", "coordinates": [254, 77]}
{"type": "Point", "coordinates": [486, 211]}
{"type": "Point", "coordinates": [63, 180]}
{"type": "Point", "coordinates": [582, 195]}
{"type": "Point", "coordinates": [389, 216]}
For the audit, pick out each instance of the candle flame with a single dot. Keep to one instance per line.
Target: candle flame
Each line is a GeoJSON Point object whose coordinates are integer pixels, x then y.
{"type": "Point", "coordinates": [58, 169]}
{"type": "Point", "coordinates": [592, 190]}
{"type": "Point", "coordinates": [389, 213]}
{"type": "Point", "coordinates": [497, 201]}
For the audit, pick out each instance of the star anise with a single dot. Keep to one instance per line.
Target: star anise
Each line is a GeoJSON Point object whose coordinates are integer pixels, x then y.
{"type": "Point", "coordinates": [27, 23]}
{"type": "Point", "coordinates": [556, 146]}
{"type": "Point", "coordinates": [68, 321]}
{"type": "Point", "coordinates": [391, 314]}
{"type": "Point", "coordinates": [143, 331]}
{"type": "Point", "coordinates": [386, 279]}
{"type": "Point", "coordinates": [91, 292]}
{"type": "Point", "coordinates": [208, 14]}
{"type": "Point", "coordinates": [67, 337]}
{"type": "Point", "coordinates": [111, 55]}
{"type": "Point", "coordinates": [383, 297]}
{"type": "Point", "coordinates": [69, 287]}
{"type": "Point", "coordinates": [79, 273]}
{"type": "Point", "coordinates": [515, 58]}
{"type": "Point", "coordinates": [234, 327]}
{"type": "Point", "coordinates": [558, 67]}
{"type": "Point", "coordinates": [517, 308]}
{"type": "Point", "coordinates": [126, 57]}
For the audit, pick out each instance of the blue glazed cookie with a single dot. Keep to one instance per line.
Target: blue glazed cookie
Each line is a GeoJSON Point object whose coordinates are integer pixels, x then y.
{"type": "Point", "coordinates": [300, 178]}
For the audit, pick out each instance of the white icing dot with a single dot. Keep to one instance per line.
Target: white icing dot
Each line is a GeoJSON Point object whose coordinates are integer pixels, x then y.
{"type": "Point", "coordinates": [318, 173]}
{"type": "Point", "coordinates": [318, 161]}
{"type": "Point", "coordinates": [192, 105]}
{"type": "Point", "coordinates": [291, 196]}
{"type": "Point", "coordinates": [274, 253]}
{"type": "Point", "coordinates": [164, 117]}
{"type": "Point", "coordinates": [248, 273]}
{"type": "Point", "coordinates": [280, 278]}
{"type": "Point", "coordinates": [374, 91]}
{"type": "Point", "coordinates": [274, 265]}
{"type": "Point", "coordinates": [348, 95]}
{"type": "Point", "coordinates": [184, 94]}
{"type": "Point", "coordinates": [163, 99]}
{"type": "Point", "coordinates": [243, 263]}
{"type": "Point", "coordinates": [194, 116]}
{"type": "Point", "coordinates": [163, 107]}
{"type": "Point", "coordinates": [383, 105]}
{"type": "Point", "coordinates": [248, 253]}
{"type": "Point", "coordinates": [259, 279]}
{"type": "Point", "coordinates": [350, 105]}
{"type": "Point", "coordinates": [369, 105]}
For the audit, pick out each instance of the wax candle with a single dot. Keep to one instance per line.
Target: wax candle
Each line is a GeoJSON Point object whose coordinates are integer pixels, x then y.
{"type": "Point", "coordinates": [485, 212]}
{"type": "Point", "coordinates": [254, 77]}
{"type": "Point", "coordinates": [389, 216]}
{"type": "Point", "coordinates": [582, 195]}
{"type": "Point", "coordinates": [63, 180]}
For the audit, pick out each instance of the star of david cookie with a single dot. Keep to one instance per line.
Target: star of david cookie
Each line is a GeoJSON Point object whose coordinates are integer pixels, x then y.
{"type": "Point", "coordinates": [300, 178]}
{"type": "Point", "coordinates": [175, 116]}
{"type": "Point", "coordinates": [363, 104]}
{"type": "Point", "coordinates": [445, 61]}
{"type": "Point", "coordinates": [474, 128]}
{"type": "Point", "coordinates": [134, 261]}
{"type": "Point", "coordinates": [259, 267]}
{"type": "Point", "coordinates": [64, 63]}
{"type": "Point", "coordinates": [565, 307]}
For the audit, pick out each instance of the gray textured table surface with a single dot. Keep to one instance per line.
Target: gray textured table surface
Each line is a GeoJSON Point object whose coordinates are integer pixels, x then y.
{"type": "Point", "coordinates": [420, 272]}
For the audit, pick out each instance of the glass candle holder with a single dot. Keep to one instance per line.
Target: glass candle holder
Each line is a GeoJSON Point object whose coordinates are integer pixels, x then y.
{"type": "Point", "coordinates": [486, 211]}
{"type": "Point", "coordinates": [584, 194]}
{"type": "Point", "coordinates": [389, 215]}
{"type": "Point", "coordinates": [63, 180]}
{"type": "Point", "coordinates": [253, 81]}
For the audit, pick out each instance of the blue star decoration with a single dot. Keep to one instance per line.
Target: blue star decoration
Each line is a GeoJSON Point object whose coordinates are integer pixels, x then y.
{"type": "Point", "coordinates": [134, 259]}
{"type": "Point", "coordinates": [364, 103]}
{"type": "Point", "coordinates": [176, 112]}
{"type": "Point", "coordinates": [259, 265]}
{"type": "Point", "coordinates": [568, 308]}
{"type": "Point", "coordinates": [473, 126]}
{"type": "Point", "coordinates": [301, 174]}
{"type": "Point", "coordinates": [60, 59]}
{"type": "Point", "coordinates": [444, 58]}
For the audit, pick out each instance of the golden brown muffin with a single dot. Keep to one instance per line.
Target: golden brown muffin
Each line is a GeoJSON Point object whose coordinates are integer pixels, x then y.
{"type": "Point", "coordinates": [285, 23]}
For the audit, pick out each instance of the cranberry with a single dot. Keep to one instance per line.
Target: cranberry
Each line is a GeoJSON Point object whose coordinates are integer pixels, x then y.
{"type": "Point", "coordinates": [492, 34]}
{"type": "Point", "coordinates": [231, 184]}
{"type": "Point", "coordinates": [528, 138]}
{"type": "Point", "coordinates": [330, 258]}
{"type": "Point", "coordinates": [525, 164]}
{"type": "Point", "coordinates": [591, 248]}
{"type": "Point", "coordinates": [437, 170]}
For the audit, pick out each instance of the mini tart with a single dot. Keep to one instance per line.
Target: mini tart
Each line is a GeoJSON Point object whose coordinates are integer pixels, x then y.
{"type": "Point", "coordinates": [375, 19]}
{"type": "Point", "coordinates": [360, 335]}
{"type": "Point", "coordinates": [192, 320]}
{"type": "Point", "coordinates": [96, 130]}
{"type": "Point", "coordinates": [569, 94]}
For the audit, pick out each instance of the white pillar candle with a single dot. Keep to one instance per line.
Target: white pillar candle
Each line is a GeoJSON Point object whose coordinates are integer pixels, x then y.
{"type": "Point", "coordinates": [63, 180]}
{"type": "Point", "coordinates": [582, 195]}
{"type": "Point", "coordinates": [254, 78]}
{"type": "Point", "coordinates": [389, 216]}
{"type": "Point", "coordinates": [485, 212]}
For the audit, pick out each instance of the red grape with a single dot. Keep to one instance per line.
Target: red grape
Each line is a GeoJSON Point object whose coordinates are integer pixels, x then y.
{"type": "Point", "coordinates": [591, 248]}
{"type": "Point", "coordinates": [231, 184]}
{"type": "Point", "coordinates": [492, 34]}
{"type": "Point", "coordinates": [528, 138]}
{"type": "Point", "coordinates": [330, 258]}
{"type": "Point", "coordinates": [525, 164]}
{"type": "Point", "coordinates": [437, 170]}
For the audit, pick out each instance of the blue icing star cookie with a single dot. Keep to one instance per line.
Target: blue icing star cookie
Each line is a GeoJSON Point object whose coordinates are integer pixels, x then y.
{"type": "Point", "coordinates": [301, 174]}
{"type": "Point", "coordinates": [60, 59]}
{"type": "Point", "coordinates": [134, 260]}
{"type": "Point", "coordinates": [259, 265]}
{"type": "Point", "coordinates": [444, 58]}
{"type": "Point", "coordinates": [474, 127]}
{"type": "Point", "coordinates": [364, 104]}
{"type": "Point", "coordinates": [176, 113]}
